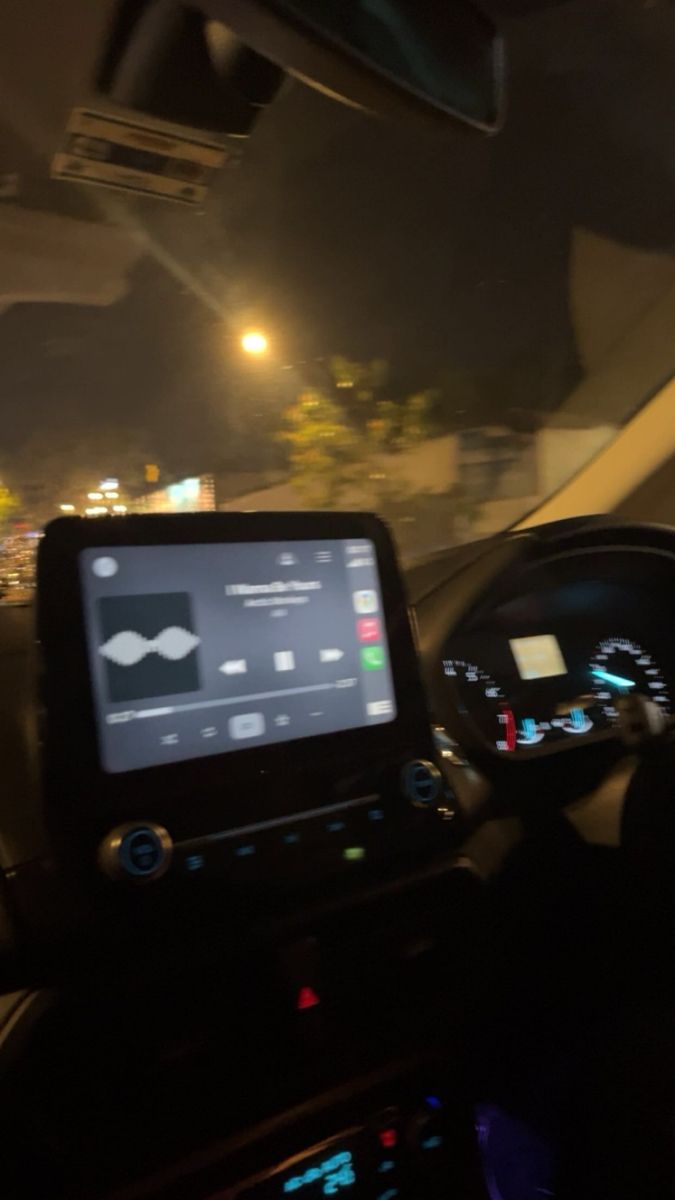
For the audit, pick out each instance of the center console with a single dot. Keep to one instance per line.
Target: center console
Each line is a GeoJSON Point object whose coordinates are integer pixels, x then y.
{"type": "Point", "coordinates": [394, 1138]}
{"type": "Point", "coordinates": [233, 697]}
{"type": "Point", "coordinates": [246, 888]}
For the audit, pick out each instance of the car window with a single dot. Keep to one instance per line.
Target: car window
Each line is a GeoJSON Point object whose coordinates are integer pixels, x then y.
{"type": "Point", "coordinates": [442, 327]}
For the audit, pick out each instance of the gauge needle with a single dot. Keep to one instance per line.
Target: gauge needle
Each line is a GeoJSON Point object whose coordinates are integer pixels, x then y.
{"type": "Point", "coordinates": [615, 679]}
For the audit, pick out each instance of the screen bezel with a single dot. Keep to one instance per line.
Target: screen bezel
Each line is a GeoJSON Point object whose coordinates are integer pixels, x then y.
{"type": "Point", "coordinates": [278, 778]}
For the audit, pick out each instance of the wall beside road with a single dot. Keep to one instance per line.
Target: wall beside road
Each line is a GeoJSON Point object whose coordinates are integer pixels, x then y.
{"type": "Point", "coordinates": [440, 468]}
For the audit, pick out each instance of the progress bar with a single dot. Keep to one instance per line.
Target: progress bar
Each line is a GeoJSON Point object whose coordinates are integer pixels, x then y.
{"type": "Point", "coordinates": [168, 710]}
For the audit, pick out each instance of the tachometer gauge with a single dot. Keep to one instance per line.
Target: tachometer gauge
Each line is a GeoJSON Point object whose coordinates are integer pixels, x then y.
{"type": "Point", "coordinates": [620, 667]}
{"type": "Point", "coordinates": [485, 702]}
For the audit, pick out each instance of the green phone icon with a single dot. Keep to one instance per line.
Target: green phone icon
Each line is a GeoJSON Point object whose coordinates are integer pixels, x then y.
{"type": "Point", "coordinates": [372, 658]}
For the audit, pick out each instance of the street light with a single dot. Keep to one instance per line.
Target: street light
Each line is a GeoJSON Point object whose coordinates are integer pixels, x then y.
{"type": "Point", "coordinates": [67, 507]}
{"type": "Point", "coordinates": [254, 342]}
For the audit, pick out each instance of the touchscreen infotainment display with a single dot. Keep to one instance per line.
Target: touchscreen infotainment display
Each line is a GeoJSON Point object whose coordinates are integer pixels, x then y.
{"type": "Point", "coordinates": [202, 649]}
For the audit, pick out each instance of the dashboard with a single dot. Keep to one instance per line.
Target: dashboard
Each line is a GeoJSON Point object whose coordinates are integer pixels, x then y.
{"type": "Point", "coordinates": [233, 697]}
{"type": "Point", "coordinates": [239, 698]}
{"type": "Point", "coordinates": [238, 818]}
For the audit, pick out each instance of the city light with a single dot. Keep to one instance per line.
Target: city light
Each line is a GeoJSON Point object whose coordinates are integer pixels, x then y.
{"type": "Point", "coordinates": [111, 495]}
{"type": "Point", "coordinates": [254, 342]}
{"type": "Point", "coordinates": [94, 495]}
{"type": "Point", "coordinates": [67, 507]}
{"type": "Point", "coordinates": [119, 508]}
{"type": "Point", "coordinates": [184, 494]}
{"type": "Point", "coordinates": [98, 510]}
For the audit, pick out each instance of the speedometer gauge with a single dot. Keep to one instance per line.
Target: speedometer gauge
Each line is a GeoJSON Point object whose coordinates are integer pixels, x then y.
{"type": "Point", "coordinates": [620, 667]}
{"type": "Point", "coordinates": [484, 701]}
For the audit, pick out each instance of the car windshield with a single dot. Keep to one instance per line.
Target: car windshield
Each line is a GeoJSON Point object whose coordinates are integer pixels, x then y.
{"type": "Point", "coordinates": [439, 326]}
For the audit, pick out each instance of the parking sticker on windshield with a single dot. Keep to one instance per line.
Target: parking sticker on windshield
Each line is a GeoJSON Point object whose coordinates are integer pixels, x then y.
{"type": "Point", "coordinates": [113, 151]}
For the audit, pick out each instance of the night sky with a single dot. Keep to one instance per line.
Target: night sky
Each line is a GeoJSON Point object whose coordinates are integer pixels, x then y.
{"type": "Point", "coordinates": [446, 254]}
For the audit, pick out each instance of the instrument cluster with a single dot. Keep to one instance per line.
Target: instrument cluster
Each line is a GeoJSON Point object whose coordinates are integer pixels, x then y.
{"type": "Point", "coordinates": [525, 680]}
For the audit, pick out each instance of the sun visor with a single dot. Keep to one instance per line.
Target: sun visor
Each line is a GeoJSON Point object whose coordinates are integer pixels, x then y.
{"type": "Point", "coordinates": [46, 258]}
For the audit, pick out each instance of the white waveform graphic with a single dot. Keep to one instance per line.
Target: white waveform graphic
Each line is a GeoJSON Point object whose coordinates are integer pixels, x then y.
{"type": "Point", "coordinates": [128, 647]}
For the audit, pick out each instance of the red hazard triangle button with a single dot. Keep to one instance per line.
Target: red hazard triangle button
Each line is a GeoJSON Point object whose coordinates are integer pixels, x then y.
{"type": "Point", "coordinates": [307, 998]}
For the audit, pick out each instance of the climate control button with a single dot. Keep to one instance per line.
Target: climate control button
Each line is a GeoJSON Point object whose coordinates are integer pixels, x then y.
{"type": "Point", "coordinates": [139, 851]}
{"type": "Point", "coordinates": [421, 781]}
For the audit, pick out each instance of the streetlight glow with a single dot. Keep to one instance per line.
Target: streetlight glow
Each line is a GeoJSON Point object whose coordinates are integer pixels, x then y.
{"type": "Point", "coordinates": [67, 507]}
{"type": "Point", "coordinates": [94, 495]}
{"type": "Point", "coordinates": [254, 342]}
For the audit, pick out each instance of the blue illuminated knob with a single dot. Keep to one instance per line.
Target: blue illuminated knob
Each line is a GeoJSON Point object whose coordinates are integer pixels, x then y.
{"type": "Point", "coordinates": [138, 851]}
{"type": "Point", "coordinates": [421, 781]}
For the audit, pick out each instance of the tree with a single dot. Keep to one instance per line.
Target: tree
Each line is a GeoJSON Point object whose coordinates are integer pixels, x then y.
{"type": "Point", "coordinates": [336, 444]}
{"type": "Point", "coordinates": [326, 452]}
{"type": "Point", "coordinates": [365, 394]}
{"type": "Point", "coordinates": [9, 504]}
{"type": "Point", "coordinates": [362, 383]}
{"type": "Point", "coordinates": [398, 426]}
{"type": "Point", "coordinates": [343, 450]}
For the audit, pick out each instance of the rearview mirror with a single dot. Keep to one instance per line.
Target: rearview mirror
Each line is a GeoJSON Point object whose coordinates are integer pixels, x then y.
{"type": "Point", "coordinates": [400, 57]}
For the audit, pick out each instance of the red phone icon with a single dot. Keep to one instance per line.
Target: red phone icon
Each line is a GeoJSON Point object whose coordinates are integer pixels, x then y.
{"type": "Point", "coordinates": [368, 629]}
